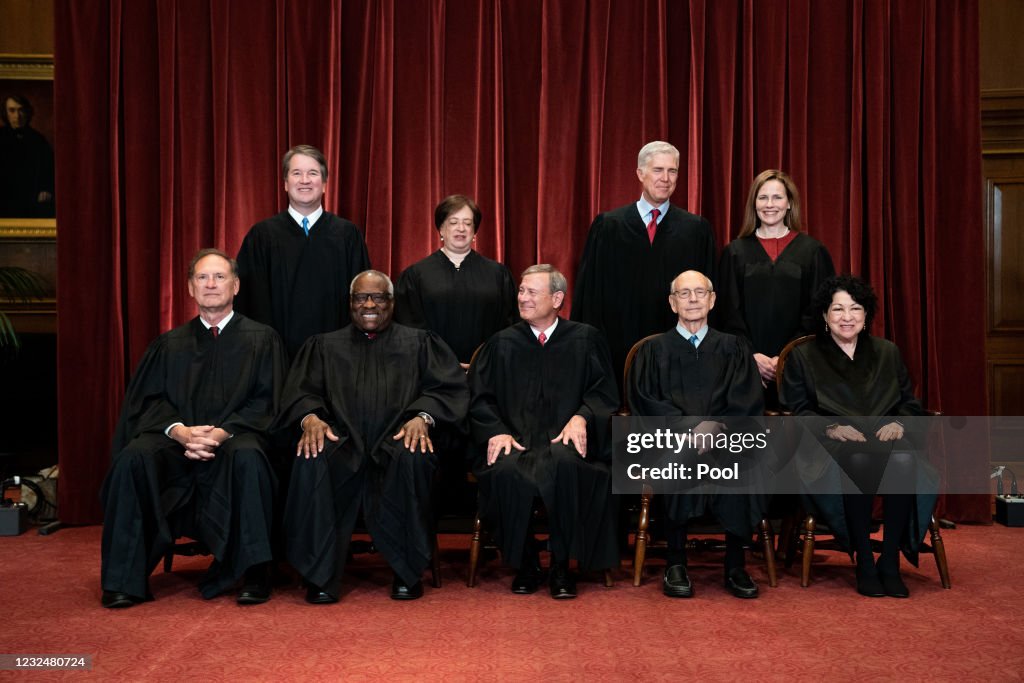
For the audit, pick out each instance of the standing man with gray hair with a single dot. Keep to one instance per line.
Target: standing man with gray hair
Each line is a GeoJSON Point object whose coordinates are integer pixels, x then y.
{"type": "Point", "coordinates": [633, 251]}
{"type": "Point", "coordinates": [296, 267]}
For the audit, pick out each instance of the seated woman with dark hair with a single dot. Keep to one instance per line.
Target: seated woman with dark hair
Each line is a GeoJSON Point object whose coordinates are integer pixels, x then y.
{"type": "Point", "coordinates": [861, 382]}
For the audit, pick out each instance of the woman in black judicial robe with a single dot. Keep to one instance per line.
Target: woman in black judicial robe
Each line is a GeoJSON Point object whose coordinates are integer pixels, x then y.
{"type": "Point", "coordinates": [464, 298]}
{"type": "Point", "coordinates": [860, 387]}
{"type": "Point", "coordinates": [455, 292]}
{"type": "Point", "coordinates": [769, 273]}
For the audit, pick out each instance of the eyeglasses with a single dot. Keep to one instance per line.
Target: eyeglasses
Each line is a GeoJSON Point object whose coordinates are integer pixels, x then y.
{"type": "Point", "coordinates": [378, 298]}
{"type": "Point", "coordinates": [685, 293]}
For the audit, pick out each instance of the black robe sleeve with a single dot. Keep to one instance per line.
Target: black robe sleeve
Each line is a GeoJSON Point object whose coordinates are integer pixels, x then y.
{"type": "Point", "coordinates": [719, 379]}
{"type": "Point", "coordinates": [531, 392]}
{"type": "Point", "coordinates": [186, 376]}
{"type": "Point", "coordinates": [769, 303]}
{"type": "Point", "coordinates": [298, 284]}
{"type": "Point", "coordinates": [254, 294]}
{"type": "Point", "coordinates": [623, 280]}
{"type": "Point", "coordinates": [464, 305]}
{"type": "Point", "coordinates": [366, 390]}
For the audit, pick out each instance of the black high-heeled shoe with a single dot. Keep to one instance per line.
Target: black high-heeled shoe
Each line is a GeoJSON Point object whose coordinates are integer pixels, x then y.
{"type": "Point", "coordinates": [869, 584]}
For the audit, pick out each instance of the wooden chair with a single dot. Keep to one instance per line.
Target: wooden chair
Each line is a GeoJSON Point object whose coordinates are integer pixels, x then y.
{"type": "Point", "coordinates": [184, 549]}
{"type": "Point", "coordinates": [809, 526]}
{"type": "Point", "coordinates": [643, 540]}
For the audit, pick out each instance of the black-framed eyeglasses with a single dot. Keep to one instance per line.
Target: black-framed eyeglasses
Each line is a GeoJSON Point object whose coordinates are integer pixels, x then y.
{"type": "Point", "coordinates": [685, 293]}
{"type": "Point", "coordinates": [378, 298]}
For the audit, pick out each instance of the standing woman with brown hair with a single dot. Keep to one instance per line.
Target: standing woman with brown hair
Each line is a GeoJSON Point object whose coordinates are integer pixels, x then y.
{"type": "Point", "coordinates": [768, 274]}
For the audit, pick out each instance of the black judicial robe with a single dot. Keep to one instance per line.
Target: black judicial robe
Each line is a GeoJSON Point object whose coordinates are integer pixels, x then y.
{"type": "Point", "coordinates": [296, 284]}
{"type": "Point", "coordinates": [464, 305]}
{"type": "Point", "coordinates": [531, 391]}
{"type": "Point", "coordinates": [873, 387]}
{"type": "Point", "coordinates": [153, 493]}
{"type": "Point", "coordinates": [366, 390]}
{"type": "Point", "coordinates": [671, 378]}
{"type": "Point", "coordinates": [769, 303]}
{"type": "Point", "coordinates": [623, 281]}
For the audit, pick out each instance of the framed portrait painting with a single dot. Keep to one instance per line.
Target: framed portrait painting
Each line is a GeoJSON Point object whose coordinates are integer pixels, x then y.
{"type": "Point", "coordinates": [27, 193]}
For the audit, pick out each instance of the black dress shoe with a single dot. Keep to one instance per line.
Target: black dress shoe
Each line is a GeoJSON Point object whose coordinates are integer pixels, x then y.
{"type": "Point", "coordinates": [315, 596]}
{"type": "Point", "coordinates": [562, 585]}
{"type": "Point", "coordinates": [119, 600]}
{"type": "Point", "coordinates": [400, 590]}
{"type": "Point", "coordinates": [676, 583]}
{"type": "Point", "coordinates": [893, 585]}
{"type": "Point", "coordinates": [740, 584]}
{"type": "Point", "coordinates": [256, 587]}
{"type": "Point", "coordinates": [868, 584]}
{"type": "Point", "coordinates": [527, 579]}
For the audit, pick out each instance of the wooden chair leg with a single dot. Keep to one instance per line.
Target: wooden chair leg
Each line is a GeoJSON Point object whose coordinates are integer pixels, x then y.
{"type": "Point", "coordinates": [474, 552]}
{"type": "Point", "coordinates": [939, 548]}
{"type": "Point", "coordinates": [609, 581]}
{"type": "Point", "coordinates": [641, 538]}
{"type": "Point", "coordinates": [435, 565]}
{"type": "Point", "coordinates": [805, 573]}
{"type": "Point", "coordinates": [769, 552]}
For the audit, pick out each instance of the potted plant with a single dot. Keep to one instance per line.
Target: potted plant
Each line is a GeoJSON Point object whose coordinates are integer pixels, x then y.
{"type": "Point", "coordinates": [16, 284]}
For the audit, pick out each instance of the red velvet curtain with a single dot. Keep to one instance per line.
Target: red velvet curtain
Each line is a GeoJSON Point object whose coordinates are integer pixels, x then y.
{"type": "Point", "coordinates": [172, 117]}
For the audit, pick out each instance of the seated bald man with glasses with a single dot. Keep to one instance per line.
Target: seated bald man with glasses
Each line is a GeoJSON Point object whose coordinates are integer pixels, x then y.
{"type": "Point", "coordinates": [695, 371]}
{"type": "Point", "coordinates": [361, 402]}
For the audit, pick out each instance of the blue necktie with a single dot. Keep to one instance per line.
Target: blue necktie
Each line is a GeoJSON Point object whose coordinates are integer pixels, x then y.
{"type": "Point", "coordinates": [305, 225]}
{"type": "Point", "coordinates": [693, 340]}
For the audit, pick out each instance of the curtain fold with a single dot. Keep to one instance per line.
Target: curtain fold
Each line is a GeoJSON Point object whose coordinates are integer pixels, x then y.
{"type": "Point", "coordinates": [172, 117]}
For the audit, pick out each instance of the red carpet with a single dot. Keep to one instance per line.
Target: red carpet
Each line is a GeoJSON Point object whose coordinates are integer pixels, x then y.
{"type": "Point", "coordinates": [50, 588]}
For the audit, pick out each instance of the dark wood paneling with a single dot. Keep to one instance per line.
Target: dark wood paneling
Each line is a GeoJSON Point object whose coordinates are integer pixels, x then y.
{"type": "Point", "coordinates": [26, 26]}
{"type": "Point", "coordinates": [1007, 381]}
{"type": "Point", "coordinates": [1002, 50]}
{"type": "Point", "coordinates": [1002, 139]}
{"type": "Point", "coordinates": [1004, 197]}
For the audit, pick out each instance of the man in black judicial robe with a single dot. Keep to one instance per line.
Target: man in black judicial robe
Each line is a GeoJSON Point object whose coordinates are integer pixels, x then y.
{"type": "Point", "coordinates": [543, 396]}
{"type": "Point", "coordinates": [190, 452]}
{"type": "Point", "coordinates": [633, 251]}
{"type": "Point", "coordinates": [296, 278]}
{"type": "Point", "coordinates": [695, 371]}
{"type": "Point", "coordinates": [364, 397]}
